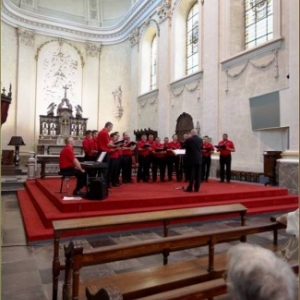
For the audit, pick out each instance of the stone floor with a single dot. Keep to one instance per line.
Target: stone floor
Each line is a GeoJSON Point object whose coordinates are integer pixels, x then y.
{"type": "Point", "coordinates": [26, 269]}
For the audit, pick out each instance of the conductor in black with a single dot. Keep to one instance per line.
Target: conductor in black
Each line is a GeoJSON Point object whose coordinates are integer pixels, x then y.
{"type": "Point", "coordinates": [193, 146]}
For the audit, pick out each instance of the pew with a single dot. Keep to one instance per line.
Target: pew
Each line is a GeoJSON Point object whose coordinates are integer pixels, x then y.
{"type": "Point", "coordinates": [165, 217]}
{"type": "Point", "coordinates": [145, 282]}
{"type": "Point", "coordinates": [199, 291]}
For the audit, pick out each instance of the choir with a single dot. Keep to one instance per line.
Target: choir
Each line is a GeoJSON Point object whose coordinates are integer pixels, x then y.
{"type": "Point", "coordinates": [151, 155]}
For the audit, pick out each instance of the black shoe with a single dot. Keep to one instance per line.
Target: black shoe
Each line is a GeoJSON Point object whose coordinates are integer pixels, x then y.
{"type": "Point", "coordinates": [196, 191]}
{"type": "Point", "coordinates": [187, 190]}
{"type": "Point", "coordinates": [116, 185]}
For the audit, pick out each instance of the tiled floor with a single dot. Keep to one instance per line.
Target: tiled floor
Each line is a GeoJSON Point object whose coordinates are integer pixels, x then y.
{"type": "Point", "coordinates": [26, 270]}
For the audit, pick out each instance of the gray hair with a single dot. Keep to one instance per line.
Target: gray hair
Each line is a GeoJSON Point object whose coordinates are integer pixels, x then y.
{"type": "Point", "coordinates": [256, 273]}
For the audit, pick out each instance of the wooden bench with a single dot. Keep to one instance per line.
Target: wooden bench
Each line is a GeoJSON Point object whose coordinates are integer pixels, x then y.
{"type": "Point", "coordinates": [83, 225]}
{"type": "Point", "coordinates": [150, 281]}
{"type": "Point", "coordinates": [199, 291]}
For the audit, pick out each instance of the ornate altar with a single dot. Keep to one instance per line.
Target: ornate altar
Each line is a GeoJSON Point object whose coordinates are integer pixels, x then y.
{"type": "Point", "coordinates": [54, 128]}
{"type": "Point", "coordinates": [5, 102]}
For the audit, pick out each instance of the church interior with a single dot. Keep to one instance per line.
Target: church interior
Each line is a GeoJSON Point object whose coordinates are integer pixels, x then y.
{"type": "Point", "coordinates": [160, 67]}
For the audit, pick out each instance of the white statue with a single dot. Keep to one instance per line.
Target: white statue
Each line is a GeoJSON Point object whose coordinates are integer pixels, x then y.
{"type": "Point", "coordinates": [118, 97]}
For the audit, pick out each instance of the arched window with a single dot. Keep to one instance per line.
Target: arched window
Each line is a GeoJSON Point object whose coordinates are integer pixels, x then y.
{"type": "Point", "coordinates": [192, 38]}
{"type": "Point", "coordinates": [153, 63]}
{"type": "Point", "coordinates": [258, 22]}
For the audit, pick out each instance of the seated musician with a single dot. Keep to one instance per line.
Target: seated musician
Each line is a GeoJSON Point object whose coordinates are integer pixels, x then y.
{"type": "Point", "coordinates": [69, 163]}
{"type": "Point", "coordinates": [159, 160]}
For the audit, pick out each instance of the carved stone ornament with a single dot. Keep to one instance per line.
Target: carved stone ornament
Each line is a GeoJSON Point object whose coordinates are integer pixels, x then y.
{"type": "Point", "coordinates": [163, 11]}
{"type": "Point", "coordinates": [92, 49]}
{"type": "Point", "coordinates": [26, 37]}
{"type": "Point", "coordinates": [134, 36]}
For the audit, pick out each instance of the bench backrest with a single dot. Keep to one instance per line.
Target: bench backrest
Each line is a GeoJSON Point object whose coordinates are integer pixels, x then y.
{"type": "Point", "coordinates": [74, 252]}
{"type": "Point", "coordinates": [83, 224]}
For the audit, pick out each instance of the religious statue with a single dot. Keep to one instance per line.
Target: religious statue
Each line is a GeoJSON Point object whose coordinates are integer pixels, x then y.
{"type": "Point", "coordinates": [118, 97]}
{"type": "Point", "coordinates": [50, 109]}
{"type": "Point", "coordinates": [78, 111]}
{"type": "Point", "coordinates": [118, 100]}
{"type": "Point", "coordinates": [74, 130]}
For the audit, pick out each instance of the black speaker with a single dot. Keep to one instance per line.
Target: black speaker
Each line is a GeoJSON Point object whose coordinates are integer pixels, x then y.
{"type": "Point", "coordinates": [97, 190]}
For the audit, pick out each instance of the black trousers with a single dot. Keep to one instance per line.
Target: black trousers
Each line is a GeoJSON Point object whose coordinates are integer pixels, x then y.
{"type": "Point", "coordinates": [225, 161]}
{"type": "Point", "coordinates": [206, 161]}
{"type": "Point", "coordinates": [174, 161]}
{"type": "Point", "coordinates": [81, 177]}
{"type": "Point", "coordinates": [195, 177]}
{"type": "Point", "coordinates": [113, 171]}
{"type": "Point", "coordinates": [126, 168]}
{"type": "Point", "coordinates": [159, 163]}
{"type": "Point", "coordinates": [143, 169]}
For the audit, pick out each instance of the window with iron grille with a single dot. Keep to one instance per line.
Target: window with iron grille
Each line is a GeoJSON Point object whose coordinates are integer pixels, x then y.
{"type": "Point", "coordinates": [258, 22]}
{"type": "Point", "coordinates": [192, 39]}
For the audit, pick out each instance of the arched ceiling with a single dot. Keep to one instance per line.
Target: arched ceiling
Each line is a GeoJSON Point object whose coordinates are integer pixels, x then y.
{"type": "Point", "coordinates": [105, 21]}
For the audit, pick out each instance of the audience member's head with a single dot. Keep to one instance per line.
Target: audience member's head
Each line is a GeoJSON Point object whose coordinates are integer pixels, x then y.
{"type": "Point", "coordinates": [255, 273]}
{"type": "Point", "coordinates": [225, 136]}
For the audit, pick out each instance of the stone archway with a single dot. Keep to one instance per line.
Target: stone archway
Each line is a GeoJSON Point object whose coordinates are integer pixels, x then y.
{"type": "Point", "coordinates": [184, 124]}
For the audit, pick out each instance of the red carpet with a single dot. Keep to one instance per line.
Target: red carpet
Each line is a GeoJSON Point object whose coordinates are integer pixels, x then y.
{"type": "Point", "coordinates": [41, 202]}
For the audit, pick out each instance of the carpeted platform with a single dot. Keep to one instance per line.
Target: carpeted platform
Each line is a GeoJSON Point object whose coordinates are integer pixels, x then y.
{"type": "Point", "coordinates": [41, 202]}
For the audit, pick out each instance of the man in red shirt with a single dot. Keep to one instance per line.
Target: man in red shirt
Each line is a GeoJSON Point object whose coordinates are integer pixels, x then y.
{"type": "Point", "coordinates": [93, 147]}
{"type": "Point", "coordinates": [207, 150]}
{"type": "Point", "coordinates": [151, 142]}
{"type": "Point", "coordinates": [86, 144]}
{"type": "Point", "coordinates": [69, 163]}
{"type": "Point", "coordinates": [143, 147]}
{"type": "Point", "coordinates": [225, 147]}
{"type": "Point", "coordinates": [113, 163]}
{"type": "Point", "coordinates": [159, 160]}
{"type": "Point", "coordinates": [172, 159]}
{"type": "Point", "coordinates": [127, 159]}
{"type": "Point", "coordinates": [105, 144]}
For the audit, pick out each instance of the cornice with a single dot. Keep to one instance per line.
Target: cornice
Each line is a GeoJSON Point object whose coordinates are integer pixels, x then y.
{"type": "Point", "coordinates": [50, 26]}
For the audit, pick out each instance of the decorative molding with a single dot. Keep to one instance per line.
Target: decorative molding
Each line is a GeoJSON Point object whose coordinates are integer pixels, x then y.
{"type": "Point", "coordinates": [255, 65]}
{"type": "Point", "coordinates": [148, 98]}
{"type": "Point", "coordinates": [93, 10]}
{"type": "Point", "coordinates": [26, 37]}
{"type": "Point", "coordinates": [190, 83]}
{"type": "Point", "coordinates": [164, 10]}
{"type": "Point", "coordinates": [147, 23]}
{"type": "Point", "coordinates": [134, 36]}
{"type": "Point", "coordinates": [135, 17]}
{"type": "Point", "coordinates": [92, 49]}
{"type": "Point", "coordinates": [60, 41]}
{"type": "Point", "coordinates": [246, 55]}
{"type": "Point", "coordinates": [195, 77]}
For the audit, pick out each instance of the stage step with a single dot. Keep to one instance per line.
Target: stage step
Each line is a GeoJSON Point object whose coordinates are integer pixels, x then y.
{"type": "Point", "coordinates": [40, 202]}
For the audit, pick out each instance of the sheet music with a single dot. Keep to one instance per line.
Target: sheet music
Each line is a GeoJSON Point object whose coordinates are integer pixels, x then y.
{"type": "Point", "coordinates": [179, 151]}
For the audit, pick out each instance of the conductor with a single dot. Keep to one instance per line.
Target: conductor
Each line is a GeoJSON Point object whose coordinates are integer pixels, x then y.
{"type": "Point", "coordinates": [193, 160]}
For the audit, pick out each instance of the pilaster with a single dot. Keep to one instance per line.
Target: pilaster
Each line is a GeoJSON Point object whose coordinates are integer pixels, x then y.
{"type": "Point", "coordinates": [25, 97]}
